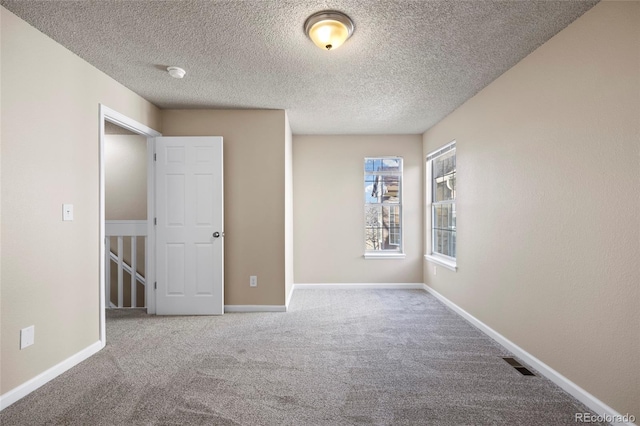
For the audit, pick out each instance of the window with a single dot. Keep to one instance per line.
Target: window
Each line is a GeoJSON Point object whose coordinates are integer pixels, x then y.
{"type": "Point", "coordinates": [383, 207]}
{"type": "Point", "coordinates": [441, 186]}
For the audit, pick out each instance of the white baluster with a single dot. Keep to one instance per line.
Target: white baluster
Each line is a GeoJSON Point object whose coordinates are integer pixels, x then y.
{"type": "Point", "coordinates": [134, 281]}
{"type": "Point", "coordinates": [120, 269]}
{"type": "Point", "coordinates": [146, 288]}
{"type": "Point", "coordinates": [107, 264]}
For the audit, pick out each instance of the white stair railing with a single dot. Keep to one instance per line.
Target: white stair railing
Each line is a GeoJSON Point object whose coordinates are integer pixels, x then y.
{"type": "Point", "coordinates": [122, 229]}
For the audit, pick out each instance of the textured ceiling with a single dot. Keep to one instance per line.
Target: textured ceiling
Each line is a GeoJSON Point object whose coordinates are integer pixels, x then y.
{"type": "Point", "coordinates": [407, 65]}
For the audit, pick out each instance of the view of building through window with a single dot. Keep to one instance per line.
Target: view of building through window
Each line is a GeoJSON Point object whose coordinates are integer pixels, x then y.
{"type": "Point", "coordinates": [383, 204]}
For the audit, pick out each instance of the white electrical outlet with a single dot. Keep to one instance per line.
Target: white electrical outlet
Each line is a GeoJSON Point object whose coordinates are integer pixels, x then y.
{"type": "Point", "coordinates": [27, 336]}
{"type": "Point", "coordinates": [253, 281]}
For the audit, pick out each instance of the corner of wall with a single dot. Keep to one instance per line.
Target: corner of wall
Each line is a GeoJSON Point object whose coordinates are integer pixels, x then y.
{"type": "Point", "coordinates": [288, 194]}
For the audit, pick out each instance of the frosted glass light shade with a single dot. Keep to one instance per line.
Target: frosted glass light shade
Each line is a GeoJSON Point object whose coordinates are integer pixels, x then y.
{"type": "Point", "coordinates": [328, 29]}
{"type": "Point", "coordinates": [328, 34]}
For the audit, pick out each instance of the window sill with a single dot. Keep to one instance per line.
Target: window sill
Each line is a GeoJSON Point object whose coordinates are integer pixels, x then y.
{"type": "Point", "coordinates": [442, 261]}
{"type": "Point", "coordinates": [384, 255]}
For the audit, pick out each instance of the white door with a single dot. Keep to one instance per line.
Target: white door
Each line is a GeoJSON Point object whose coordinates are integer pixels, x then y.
{"type": "Point", "coordinates": [189, 226]}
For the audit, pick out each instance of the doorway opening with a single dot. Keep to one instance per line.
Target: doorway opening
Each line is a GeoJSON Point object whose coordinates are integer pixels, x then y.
{"type": "Point", "coordinates": [121, 137]}
{"type": "Point", "coordinates": [125, 217]}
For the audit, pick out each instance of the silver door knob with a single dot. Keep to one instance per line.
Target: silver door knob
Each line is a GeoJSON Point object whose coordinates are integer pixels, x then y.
{"type": "Point", "coordinates": [216, 235]}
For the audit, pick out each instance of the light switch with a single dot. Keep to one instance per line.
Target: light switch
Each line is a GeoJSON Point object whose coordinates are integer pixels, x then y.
{"type": "Point", "coordinates": [27, 336]}
{"type": "Point", "coordinates": [67, 212]}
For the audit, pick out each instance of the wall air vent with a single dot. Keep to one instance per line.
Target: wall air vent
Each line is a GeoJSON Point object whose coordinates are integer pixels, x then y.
{"type": "Point", "coordinates": [516, 364]}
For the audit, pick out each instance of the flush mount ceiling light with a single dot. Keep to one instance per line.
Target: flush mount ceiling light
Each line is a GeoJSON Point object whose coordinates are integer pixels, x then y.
{"type": "Point", "coordinates": [328, 29]}
{"type": "Point", "coordinates": [176, 72]}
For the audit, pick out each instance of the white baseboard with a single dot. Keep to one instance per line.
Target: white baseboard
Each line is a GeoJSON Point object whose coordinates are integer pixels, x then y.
{"type": "Point", "coordinates": [353, 286]}
{"type": "Point", "coordinates": [29, 386]}
{"type": "Point", "coordinates": [255, 308]}
{"type": "Point", "coordinates": [593, 403]}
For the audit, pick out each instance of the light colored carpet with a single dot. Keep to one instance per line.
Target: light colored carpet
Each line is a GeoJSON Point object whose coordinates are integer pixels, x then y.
{"type": "Point", "coordinates": [338, 357]}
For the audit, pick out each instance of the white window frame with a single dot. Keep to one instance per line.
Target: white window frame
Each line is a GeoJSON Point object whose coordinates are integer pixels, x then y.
{"type": "Point", "coordinates": [398, 251]}
{"type": "Point", "coordinates": [431, 256]}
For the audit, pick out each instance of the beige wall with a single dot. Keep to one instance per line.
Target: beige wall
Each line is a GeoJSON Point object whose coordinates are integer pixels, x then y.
{"type": "Point", "coordinates": [548, 208]}
{"type": "Point", "coordinates": [328, 173]}
{"type": "Point", "coordinates": [1, 65]}
{"type": "Point", "coordinates": [50, 268]}
{"type": "Point", "coordinates": [125, 177]}
{"type": "Point", "coordinates": [288, 211]}
{"type": "Point", "coordinates": [254, 196]}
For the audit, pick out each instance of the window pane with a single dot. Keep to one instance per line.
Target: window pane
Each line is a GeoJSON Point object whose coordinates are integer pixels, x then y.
{"type": "Point", "coordinates": [439, 190]}
{"type": "Point", "coordinates": [391, 228]}
{"type": "Point", "coordinates": [391, 189]}
{"type": "Point", "coordinates": [390, 164]}
{"type": "Point", "coordinates": [369, 164]}
{"type": "Point", "coordinates": [373, 227]}
{"type": "Point", "coordinates": [445, 216]}
{"type": "Point", "coordinates": [451, 183]}
{"type": "Point", "coordinates": [444, 187]}
{"type": "Point", "coordinates": [382, 188]}
{"type": "Point", "coordinates": [445, 242]}
{"type": "Point", "coordinates": [444, 177]}
{"type": "Point", "coordinates": [449, 243]}
{"type": "Point", "coordinates": [452, 247]}
{"type": "Point", "coordinates": [371, 189]}
{"type": "Point", "coordinates": [376, 164]}
{"type": "Point", "coordinates": [453, 216]}
{"type": "Point", "coordinates": [437, 168]}
{"type": "Point", "coordinates": [444, 229]}
{"type": "Point", "coordinates": [453, 239]}
{"type": "Point", "coordinates": [445, 164]}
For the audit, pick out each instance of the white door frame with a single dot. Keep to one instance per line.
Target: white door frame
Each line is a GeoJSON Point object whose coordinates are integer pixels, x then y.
{"type": "Point", "coordinates": [108, 114]}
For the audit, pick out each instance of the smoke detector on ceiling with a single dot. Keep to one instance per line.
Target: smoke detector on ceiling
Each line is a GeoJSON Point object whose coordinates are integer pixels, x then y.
{"type": "Point", "coordinates": [176, 72]}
